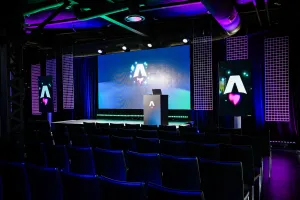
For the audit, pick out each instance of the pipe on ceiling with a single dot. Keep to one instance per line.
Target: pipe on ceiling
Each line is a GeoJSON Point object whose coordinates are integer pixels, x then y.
{"type": "Point", "coordinates": [225, 14]}
{"type": "Point", "coordinates": [243, 2]}
{"type": "Point", "coordinates": [267, 10]}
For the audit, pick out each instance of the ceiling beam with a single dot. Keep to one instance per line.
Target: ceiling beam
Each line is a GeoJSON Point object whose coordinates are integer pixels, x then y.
{"type": "Point", "coordinates": [111, 20]}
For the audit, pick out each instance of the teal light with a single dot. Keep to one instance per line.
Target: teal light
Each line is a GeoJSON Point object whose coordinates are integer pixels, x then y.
{"type": "Point", "coordinates": [228, 72]}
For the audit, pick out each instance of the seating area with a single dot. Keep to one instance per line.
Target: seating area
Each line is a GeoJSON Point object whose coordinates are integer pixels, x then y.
{"type": "Point", "coordinates": [113, 161]}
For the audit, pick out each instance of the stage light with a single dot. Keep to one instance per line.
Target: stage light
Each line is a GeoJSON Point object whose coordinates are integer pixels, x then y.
{"type": "Point", "coordinates": [124, 48]}
{"type": "Point", "coordinates": [245, 74]}
{"type": "Point", "coordinates": [228, 72]}
{"type": "Point", "coordinates": [134, 18]}
{"type": "Point", "coordinates": [185, 40]}
{"type": "Point", "coordinates": [100, 51]}
{"type": "Point", "coordinates": [149, 45]}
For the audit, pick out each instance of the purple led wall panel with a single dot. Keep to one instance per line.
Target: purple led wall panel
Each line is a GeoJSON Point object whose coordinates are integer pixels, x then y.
{"type": "Point", "coordinates": [68, 81]}
{"type": "Point", "coordinates": [237, 48]}
{"type": "Point", "coordinates": [51, 71]}
{"type": "Point", "coordinates": [35, 73]}
{"type": "Point", "coordinates": [277, 103]}
{"type": "Point", "coordinates": [203, 76]}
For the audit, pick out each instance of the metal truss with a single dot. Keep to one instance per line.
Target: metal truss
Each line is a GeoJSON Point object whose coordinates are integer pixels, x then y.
{"type": "Point", "coordinates": [12, 85]}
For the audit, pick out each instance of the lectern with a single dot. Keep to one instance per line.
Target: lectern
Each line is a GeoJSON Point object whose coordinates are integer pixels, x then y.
{"type": "Point", "coordinates": [156, 110]}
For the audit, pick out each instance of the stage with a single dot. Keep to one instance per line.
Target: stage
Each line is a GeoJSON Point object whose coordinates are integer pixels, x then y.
{"type": "Point", "coordinates": [81, 121]}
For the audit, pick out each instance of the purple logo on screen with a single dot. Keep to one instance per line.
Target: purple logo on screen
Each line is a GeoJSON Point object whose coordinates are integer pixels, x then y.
{"type": "Point", "coordinates": [45, 101]}
{"type": "Point", "coordinates": [234, 98]}
{"type": "Point", "coordinates": [138, 73]}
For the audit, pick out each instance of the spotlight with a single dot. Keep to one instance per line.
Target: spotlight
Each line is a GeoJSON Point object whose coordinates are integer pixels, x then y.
{"type": "Point", "coordinates": [100, 51]}
{"type": "Point", "coordinates": [134, 18]}
{"type": "Point", "coordinates": [185, 40]}
{"type": "Point", "coordinates": [124, 48]}
{"type": "Point", "coordinates": [149, 45]}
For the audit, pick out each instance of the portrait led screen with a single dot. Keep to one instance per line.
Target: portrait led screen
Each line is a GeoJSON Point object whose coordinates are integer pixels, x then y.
{"type": "Point", "coordinates": [124, 78]}
{"type": "Point", "coordinates": [235, 88]}
{"type": "Point", "coordinates": [45, 94]}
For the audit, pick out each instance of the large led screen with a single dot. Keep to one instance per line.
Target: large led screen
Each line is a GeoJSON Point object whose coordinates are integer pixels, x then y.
{"type": "Point", "coordinates": [124, 78]}
{"type": "Point", "coordinates": [235, 88]}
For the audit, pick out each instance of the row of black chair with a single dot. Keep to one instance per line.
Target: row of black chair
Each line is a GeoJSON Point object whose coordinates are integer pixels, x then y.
{"type": "Point", "coordinates": [29, 182]}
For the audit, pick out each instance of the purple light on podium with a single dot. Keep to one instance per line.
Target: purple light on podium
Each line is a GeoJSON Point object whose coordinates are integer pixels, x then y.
{"type": "Point", "coordinates": [45, 101]}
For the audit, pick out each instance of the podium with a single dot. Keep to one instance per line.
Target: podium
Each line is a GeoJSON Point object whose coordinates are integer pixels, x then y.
{"type": "Point", "coordinates": [156, 110]}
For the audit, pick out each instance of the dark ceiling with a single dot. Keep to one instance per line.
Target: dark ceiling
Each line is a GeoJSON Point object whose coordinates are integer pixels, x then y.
{"type": "Point", "coordinates": [87, 21]}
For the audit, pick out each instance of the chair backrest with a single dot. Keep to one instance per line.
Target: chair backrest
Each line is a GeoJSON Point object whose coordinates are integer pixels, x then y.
{"type": "Point", "coordinates": [167, 128]}
{"type": "Point", "coordinates": [112, 125]}
{"type": "Point", "coordinates": [36, 154]}
{"type": "Point", "coordinates": [110, 163]}
{"type": "Point", "coordinates": [81, 160]}
{"type": "Point", "coordinates": [122, 143]}
{"type": "Point", "coordinates": [147, 145]}
{"type": "Point", "coordinates": [126, 132]}
{"type": "Point", "coordinates": [147, 133]}
{"type": "Point", "coordinates": [100, 141]}
{"type": "Point", "coordinates": [102, 125]}
{"type": "Point", "coordinates": [15, 181]}
{"type": "Point", "coordinates": [243, 154]}
{"type": "Point", "coordinates": [121, 190]}
{"type": "Point", "coordinates": [169, 135]}
{"type": "Point", "coordinates": [45, 183]}
{"type": "Point", "coordinates": [174, 148]}
{"type": "Point", "coordinates": [79, 140]}
{"type": "Point", "coordinates": [89, 127]}
{"type": "Point", "coordinates": [80, 187]}
{"type": "Point", "coordinates": [57, 157]}
{"type": "Point", "coordinates": [133, 126]}
{"type": "Point", "coordinates": [144, 167]}
{"type": "Point", "coordinates": [180, 172]}
{"type": "Point", "coordinates": [157, 192]}
{"type": "Point", "coordinates": [149, 127]}
{"type": "Point", "coordinates": [187, 130]}
{"type": "Point", "coordinates": [222, 180]}
{"type": "Point", "coordinates": [61, 137]}
{"type": "Point", "coordinates": [207, 151]}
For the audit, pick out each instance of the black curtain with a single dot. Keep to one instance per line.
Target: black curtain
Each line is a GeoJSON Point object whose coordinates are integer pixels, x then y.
{"type": "Point", "coordinates": [85, 87]}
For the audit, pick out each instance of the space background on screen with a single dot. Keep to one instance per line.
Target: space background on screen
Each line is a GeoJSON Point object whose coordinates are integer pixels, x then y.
{"type": "Point", "coordinates": [124, 78]}
{"type": "Point", "coordinates": [235, 88]}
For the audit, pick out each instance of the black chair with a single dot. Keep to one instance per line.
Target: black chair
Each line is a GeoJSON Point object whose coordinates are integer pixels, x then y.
{"type": "Point", "coordinates": [110, 163]}
{"type": "Point", "coordinates": [90, 127]}
{"type": "Point", "coordinates": [133, 126]}
{"type": "Point", "coordinates": [207, 151]}
{"type": "Point", "coordinates": [218, 139]}
{"type": "Point", "coordinates": [57, 157]}
{"type": "Point", "coordinates": [243, 154]}
{"type": "Point", "coordinates": [122, 143]}
{"type": "Point", "coordinates": [174, 148]}
{"type": "Point", "coordinates": [222, 180]}
{"type": "Point", "coordinates": [45, 183]}
{"type": "Point", "coordinates": [187, 130]}
{"type": "Point", "coordinates": [157, 192]}
{"type": "Point", "coordinates": [79, 140]}
{"type": "Point", "coordinates": [125, 133]}
{"type": "Point", "coordinates": [100, 141]}
{"type": "Point", "coordinates": [169, 135]}
{"type": "Point", "coordinates": [61, 137]}
{"type": "Point", "coordinates": [112, 125]}
{"type": "Point", "coordinates": [36, 154]}
{"type": "Point", "coordinates": [147, 133]}
{"type": "Point", "coordinates": [80, 187]}
{"type": "Point", "coordinates": [144, 167]}
{"type": "Point", "coordinates": [167, 128]}
{"type": "Point", "coordinates": [148, 127]}
{"type": "Point", "coordinates": [121, 190]}
{"type": "Point", "coordinates": [147, 145]}
{"type": "Point", "coordinates": [198, 138]}
{"type": "Point", "coordinates": [180, 173]}
{"type": "Point", "coordinates": [81, 160]}
{"type": "Point", "coordinates": [15, 181]}
{"type": "Point", "coordinates": [102, 125]}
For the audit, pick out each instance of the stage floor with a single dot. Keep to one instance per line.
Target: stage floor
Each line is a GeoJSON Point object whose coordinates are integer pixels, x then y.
{"type": "Point", "coordinates": [172, 123]}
